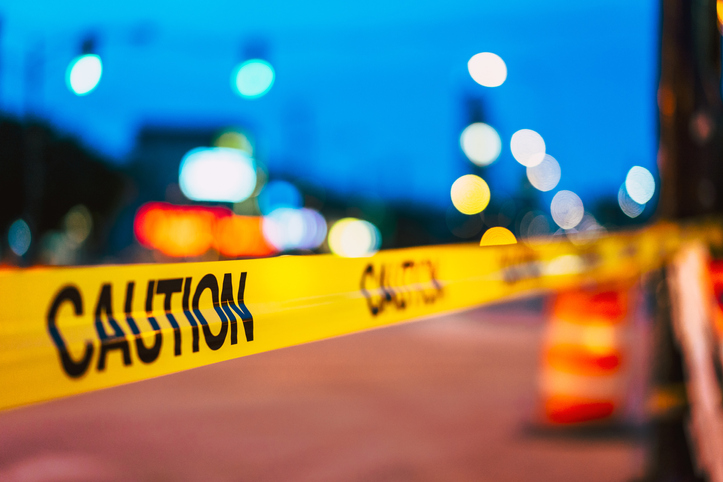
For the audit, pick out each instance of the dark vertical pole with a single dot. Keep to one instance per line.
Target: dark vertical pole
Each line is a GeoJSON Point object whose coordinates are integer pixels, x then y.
{"type": "Point", "coordinates": [691, 171]}
{"type": "Point", "coordinates": [670, 456]}
{"type": "Point", "coordinates": [691, 112]}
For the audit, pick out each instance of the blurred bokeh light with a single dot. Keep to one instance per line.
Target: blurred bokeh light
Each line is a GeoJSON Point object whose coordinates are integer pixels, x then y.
{"type": "Point", "coordinates": [470, 194]}
{"type": "Point", "coordinates": [253, 78]}
{"type": "Point", "coordinates": [497, 236]}
{"type": "Point", "coordinates": [242, 236]}
{"type": "Point", "coordinates": [19, 237]}
{"type": "Point", "coordinates": [640, 184]}
{"type": "Point", "coordinates": [287, 228]}
{"type": "Point", "coordinates": [528, 147]}
{"type": "Point", "coordinates": [481, 143]}
{"type": "Point", "coordinates": [191, 231]}
{"type": "Point", "coordinates": [546, 175]}
{"type": "Point", "coordinates": [217, 174]}
{"type": "Point", "coordinates": [84, 73]}
{"type": "Point", "coordinates": [567, 209]}
{"type": "Point", "coordinates": [178, 231]}
{"type": "Point", "coordinates": [627, 205]}
{"type": "Point", "coordinates": [234, 139]}
{"type": "Point", "coordinates": [78, 224]}
{"type": "Point", "coordinates": [354, 238]}
{"type": "Point", "coordinates": [487, 69]}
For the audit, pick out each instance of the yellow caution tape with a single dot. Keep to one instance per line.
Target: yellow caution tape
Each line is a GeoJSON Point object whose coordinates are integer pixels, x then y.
{"type": "Point", "coordinates": [71, 330]}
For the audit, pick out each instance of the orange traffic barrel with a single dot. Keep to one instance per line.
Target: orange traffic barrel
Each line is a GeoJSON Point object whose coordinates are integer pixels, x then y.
{"type": "Point", "coordinates": [584, 372]}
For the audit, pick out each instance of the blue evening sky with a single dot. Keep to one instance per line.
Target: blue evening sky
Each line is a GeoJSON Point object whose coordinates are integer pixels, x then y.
{"type": "Point", "coordinates": [369, 96]}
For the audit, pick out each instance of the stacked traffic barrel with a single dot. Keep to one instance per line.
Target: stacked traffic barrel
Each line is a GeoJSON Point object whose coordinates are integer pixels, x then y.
{"type": "Point", "coordinates": [586, 364]}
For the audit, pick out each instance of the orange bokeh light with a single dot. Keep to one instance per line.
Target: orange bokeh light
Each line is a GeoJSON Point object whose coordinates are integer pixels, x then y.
{"type": "Point", "coordinates": [187, 231]}
{"type": "Point", "coordinates": [238, 236]}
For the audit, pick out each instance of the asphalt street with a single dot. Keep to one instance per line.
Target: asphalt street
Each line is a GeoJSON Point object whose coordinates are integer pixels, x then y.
{"type": "Point", "coordinates": [447, 398]}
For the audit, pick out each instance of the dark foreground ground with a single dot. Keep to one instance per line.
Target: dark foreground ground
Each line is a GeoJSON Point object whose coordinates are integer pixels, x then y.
{"type": "Point", "coordinates": [444, 399]}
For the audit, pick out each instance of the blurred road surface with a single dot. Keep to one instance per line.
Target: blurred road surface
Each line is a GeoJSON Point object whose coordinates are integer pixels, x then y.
{"type": "Point", "coordinates": [443, 399]}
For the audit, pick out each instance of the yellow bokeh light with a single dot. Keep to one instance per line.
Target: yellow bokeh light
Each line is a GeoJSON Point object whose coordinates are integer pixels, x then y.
{"type": "Point", "coordinates": [470, 194]}
{"type": "Point", "coordinates": [78, 224]}
{"type": "Point", "coordinates": [498, 236]}
{"type": "Point", "coordinates": [354, 238]}
{"type": "Point", "coordinates": [234, 140]}
{"type": "Point", "coordinates": [719, 10]}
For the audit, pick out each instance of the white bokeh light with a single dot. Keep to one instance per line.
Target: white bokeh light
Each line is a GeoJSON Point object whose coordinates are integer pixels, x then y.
{"type": "Point", "coordinates": [487, 69]}
{"type": "Point", "coordinates": [546, 175]}
{"type": "Point", "coordinates": [627, 205]}
{"type": "Point", "coordinates": [283, 228]}
{"type": "Point", "coordinates": [288, 228]}
{"type": "Point", "coordinates": [528, 147]}
{"type": "Point", "coordinates": [314, 229]}
{"type": "Point", "coordinates": [217, 174]}
{"type": "Point", "coordinates": [567, 209]}
{"type": "Point", "coordinates": [640, 184]}
{"type": "Point", "coordinates": [84, 73]}
{"type": "Point", "coordinates": [253, 78]}
{"type": "Point", "coordinates": [481, 143]}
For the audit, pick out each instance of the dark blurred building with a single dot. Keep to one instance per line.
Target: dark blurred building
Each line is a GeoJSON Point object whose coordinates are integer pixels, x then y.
{"type": "Point", "coordinates": [43, 176]}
